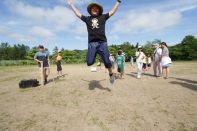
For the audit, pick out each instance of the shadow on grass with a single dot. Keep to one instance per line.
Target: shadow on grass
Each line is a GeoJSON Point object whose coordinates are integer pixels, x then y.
{"type": "Point", "coordinates": [190, 84]}
{"type": "Point", "coordinates": [134, 74]}
{"type": "Point", "coordinates": [96, 84]}
{"type": "Point", "coordinates": [56, 79]}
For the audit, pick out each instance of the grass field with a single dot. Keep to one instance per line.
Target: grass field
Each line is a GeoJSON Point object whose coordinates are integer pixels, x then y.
{"type": "Point", "coordinates": [85, 101]}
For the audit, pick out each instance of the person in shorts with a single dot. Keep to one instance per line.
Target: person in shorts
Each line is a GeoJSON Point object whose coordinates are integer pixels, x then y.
{"type": "Point", "coordinates": [42, 58]}
{"type": "Point", "coordinates": [96, 33]}
{"type": "Point", "coordinates": [120, 63]}
{"type": "Point", "coordinates": [59, 66]}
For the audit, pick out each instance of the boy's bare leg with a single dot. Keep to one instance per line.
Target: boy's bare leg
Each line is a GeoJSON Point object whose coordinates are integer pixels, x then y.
{"type": "Point", "coordinates": [110, 71]}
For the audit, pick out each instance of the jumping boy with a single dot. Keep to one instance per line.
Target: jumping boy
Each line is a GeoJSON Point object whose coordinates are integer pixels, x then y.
{"type": "Point", "coordinates": [96, 33]}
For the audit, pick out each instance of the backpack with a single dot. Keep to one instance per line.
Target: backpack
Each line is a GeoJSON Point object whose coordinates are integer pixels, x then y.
{"type": "Point", "coordinates": [28, 83]}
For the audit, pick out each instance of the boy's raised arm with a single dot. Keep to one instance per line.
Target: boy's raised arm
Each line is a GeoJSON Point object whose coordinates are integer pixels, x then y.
{"type": "Point", "coordinates": [115, 7]}
{"type": "Point", "coordinates": [75, 10]}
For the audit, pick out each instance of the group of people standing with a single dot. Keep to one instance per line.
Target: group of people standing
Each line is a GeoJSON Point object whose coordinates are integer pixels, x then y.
{"type": "Point", "coordinates": [97, 44]}
{"type": "Point", "coordinates": [161, 61]}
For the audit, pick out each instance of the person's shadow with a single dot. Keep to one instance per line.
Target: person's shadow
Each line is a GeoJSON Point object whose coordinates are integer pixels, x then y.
{"type": "Point", "coordinates": [96, 84]}
{"type": "Point", "coordinates": [190, 84]}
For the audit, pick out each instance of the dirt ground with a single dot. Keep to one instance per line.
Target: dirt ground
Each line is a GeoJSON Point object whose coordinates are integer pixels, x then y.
{"type": "Point", "coordinates": [86, 101]}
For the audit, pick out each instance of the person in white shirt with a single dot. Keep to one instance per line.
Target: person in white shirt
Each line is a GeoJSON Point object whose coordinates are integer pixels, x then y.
{"type": "Point", "coordinates": [157, 60]}
{"type": "Point", "coordinates": [149, 61]}
{"type": "Point", "coordinates": [139, 57]}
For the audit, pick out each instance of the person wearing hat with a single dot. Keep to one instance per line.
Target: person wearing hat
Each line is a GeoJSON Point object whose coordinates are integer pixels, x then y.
{"type": "Point", "coordinates": [157, 60]}
{"type": "Point", "coordinates": [96, 33]}
{"type": "Point", "coordinates": [42, 58]}
{"type": "Point", "coordinates": [139, 60]}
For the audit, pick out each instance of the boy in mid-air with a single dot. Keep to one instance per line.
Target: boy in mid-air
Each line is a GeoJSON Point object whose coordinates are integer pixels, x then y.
{"type": "Point", "coordinates": [96, 33]}
{"type": "Point", "coordinates": [42, 57]}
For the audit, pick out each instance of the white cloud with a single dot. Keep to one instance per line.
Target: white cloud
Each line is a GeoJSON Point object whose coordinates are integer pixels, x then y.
{"type": "Point", "coordinates": [153, 18]}
{"type": "Point", "coordinates": [77, 2]}
{"type": "Point", "coordinates": [7, 32]}
{"type": "Point", "coordinates": [45, 22]}
{"type": "Point", "coordinates": [41, 32]}
{"type": "Point", "coordinates": [57, 18]}
{"type": "Point", "coordinates": [146, 21]}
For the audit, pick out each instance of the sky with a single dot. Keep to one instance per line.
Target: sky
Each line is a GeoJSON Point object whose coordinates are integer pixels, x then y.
{"type": "Point", "coordinates": [52, 22]}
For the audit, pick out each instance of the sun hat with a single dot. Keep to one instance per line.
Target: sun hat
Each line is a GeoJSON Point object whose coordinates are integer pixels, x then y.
{"type": "Point", "coordinates": [97, 5]}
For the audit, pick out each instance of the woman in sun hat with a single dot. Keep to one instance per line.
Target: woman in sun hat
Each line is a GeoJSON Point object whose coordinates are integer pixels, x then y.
{"type": "Point", "coordinates": [96, 33]}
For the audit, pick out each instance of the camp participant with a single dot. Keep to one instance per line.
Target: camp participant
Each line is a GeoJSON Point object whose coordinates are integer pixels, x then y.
{"type": "Point", "coordinates": [165, 61]}
{"type": "Point", "coordinates": [112, 60]}
{"type": "Point", "coordinates": [96, 33]}
{"type": "Point", "coordinates": [139, 57]}
{"type": "Point", "coordinates": [149, 60]}
{"type": "Point", "coordinates": [131, 61]}
{"type": "Point", "coordinates": [144, 61]}
{"type": "Point", "coordinates": [42, 57]}
{"type": "Point", "coordinates": [157, 60]}
{"type": "Point", "coordinates": [120, 63]}
{"type": "Point", "coordinates": [58, 63]}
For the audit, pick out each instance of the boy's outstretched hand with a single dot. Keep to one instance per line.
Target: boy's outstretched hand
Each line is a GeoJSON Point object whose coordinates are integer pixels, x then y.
{"type": "Point", "coordinates": [69, 1]}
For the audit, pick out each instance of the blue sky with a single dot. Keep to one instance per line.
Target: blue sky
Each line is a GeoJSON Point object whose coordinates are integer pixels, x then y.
{"type": "Point", "coordinates": [52, 23]}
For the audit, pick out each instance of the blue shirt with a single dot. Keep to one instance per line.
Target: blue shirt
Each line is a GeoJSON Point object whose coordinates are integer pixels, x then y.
{"type": "Point", "coordinates": [120, 60]}
{"type": "Point", "coordinates": [42, 56]}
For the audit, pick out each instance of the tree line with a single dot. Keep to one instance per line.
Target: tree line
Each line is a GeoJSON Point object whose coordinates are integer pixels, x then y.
{"type": "Point", "coordinates": [186, 50]}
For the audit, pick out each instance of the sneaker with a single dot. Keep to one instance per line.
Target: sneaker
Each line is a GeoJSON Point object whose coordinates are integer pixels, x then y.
{"type": "Point", "coordinates": [112, 79]}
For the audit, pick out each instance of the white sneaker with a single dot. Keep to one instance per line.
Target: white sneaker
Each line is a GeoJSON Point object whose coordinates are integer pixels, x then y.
{"type": "Point", "coordinates": [138, 77]}
{"type": "Point", "coordinates": [112, 79]}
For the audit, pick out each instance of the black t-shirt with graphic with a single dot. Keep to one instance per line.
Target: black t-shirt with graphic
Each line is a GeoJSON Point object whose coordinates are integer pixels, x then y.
{"type": "Point", "coordinates": [96, 27]}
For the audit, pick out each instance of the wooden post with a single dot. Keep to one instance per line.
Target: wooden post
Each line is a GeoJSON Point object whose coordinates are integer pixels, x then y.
{"type": "Point", "coordinates": [42, 74]}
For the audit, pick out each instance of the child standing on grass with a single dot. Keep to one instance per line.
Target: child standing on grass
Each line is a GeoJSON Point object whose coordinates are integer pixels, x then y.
{"type": "Point", "coordinates": [149, 62]}
{"type": "Point", "coordinates": [42, 57]}
{"type": "Point", "coordinates": [96, 33]}
{"type": "Point", "coordinates": [120, 63]}
{"type": "Point", "coordinates": [59, 66]}
{"type": "Point", "coordinates": [144, 60]}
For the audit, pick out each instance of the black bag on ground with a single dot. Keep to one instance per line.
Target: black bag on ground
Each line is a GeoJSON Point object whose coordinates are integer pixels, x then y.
{"type": "Point", "coordinates": [28, 83]}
